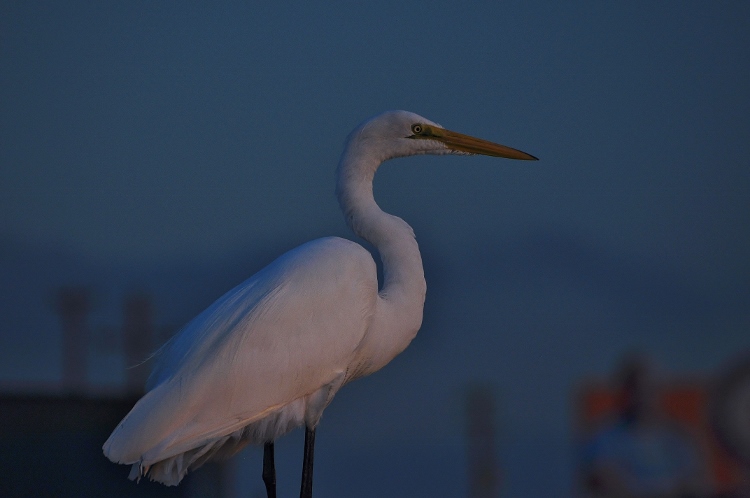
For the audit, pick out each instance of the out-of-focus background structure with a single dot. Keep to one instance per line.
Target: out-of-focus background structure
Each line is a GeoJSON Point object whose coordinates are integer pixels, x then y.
{"type": "Point", "coordinates": [587, 321]}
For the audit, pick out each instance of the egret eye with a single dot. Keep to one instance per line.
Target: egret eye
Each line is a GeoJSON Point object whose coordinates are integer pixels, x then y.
{"type": "Point", "coordinates": [416, 129]}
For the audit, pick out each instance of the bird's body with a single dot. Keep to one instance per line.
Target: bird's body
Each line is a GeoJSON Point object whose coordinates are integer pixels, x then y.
{"type": "Point", "coordinates": [270, 354]}
{"type": "Point", "coordinates": [263, 359]}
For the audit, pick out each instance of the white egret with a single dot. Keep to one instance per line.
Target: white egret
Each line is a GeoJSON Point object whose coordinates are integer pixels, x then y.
{"type": "Point", "coordinates": [270, 354]}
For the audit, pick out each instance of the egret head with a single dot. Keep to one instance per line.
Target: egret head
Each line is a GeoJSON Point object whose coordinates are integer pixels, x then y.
{"type": "Point", "coordinates": [402, 133]}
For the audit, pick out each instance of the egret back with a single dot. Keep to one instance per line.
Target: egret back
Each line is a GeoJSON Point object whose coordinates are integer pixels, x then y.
{"type": "Point", "coordinates": [264, 358]}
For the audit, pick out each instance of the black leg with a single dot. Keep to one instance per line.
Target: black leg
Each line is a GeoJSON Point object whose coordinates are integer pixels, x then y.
{"type": "Point", "coordinates": [307, 464]}
{"type": "Point", "coordinates": [269, 470]}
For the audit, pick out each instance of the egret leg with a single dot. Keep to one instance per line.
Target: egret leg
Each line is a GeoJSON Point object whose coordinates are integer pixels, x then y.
{"type": "Point", "coordinates": [307, 464]}
{"type": "Point", "coordinates": [269, 470]}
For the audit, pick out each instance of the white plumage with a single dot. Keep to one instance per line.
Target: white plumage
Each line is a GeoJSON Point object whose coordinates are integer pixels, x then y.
{"type": "Point", "coordinates": [270, 354]}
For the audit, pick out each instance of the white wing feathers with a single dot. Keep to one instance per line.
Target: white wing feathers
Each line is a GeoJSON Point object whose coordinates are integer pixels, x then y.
{"type": "Point", "coordinates": [263, 359]}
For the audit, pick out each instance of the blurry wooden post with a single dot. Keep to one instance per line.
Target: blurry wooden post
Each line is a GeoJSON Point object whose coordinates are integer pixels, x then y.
{"type": "Point", "coordinates": [138, 332]}
{"type": "Point", "coordinates": [73, 306]}
{"type": "Point", "coordinates": [483, 470]}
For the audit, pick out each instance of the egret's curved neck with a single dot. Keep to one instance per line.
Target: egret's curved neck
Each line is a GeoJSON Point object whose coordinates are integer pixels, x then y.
{"type": "Point", "coordinates": [403, 276]}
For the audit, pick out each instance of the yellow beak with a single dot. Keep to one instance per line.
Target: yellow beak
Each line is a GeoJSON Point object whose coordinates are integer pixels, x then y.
{"type": "Point", "coordinates": [465, 143]}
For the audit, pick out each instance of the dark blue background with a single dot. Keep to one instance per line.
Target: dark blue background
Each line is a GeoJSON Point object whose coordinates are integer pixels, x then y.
{"type": "Point", "coordinates": [175, 149]}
